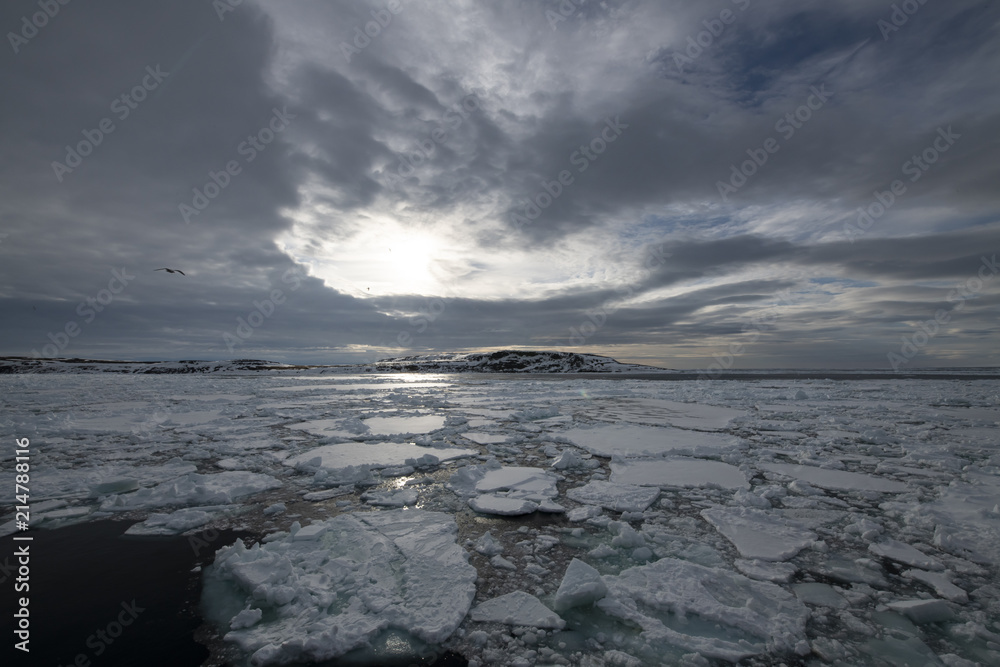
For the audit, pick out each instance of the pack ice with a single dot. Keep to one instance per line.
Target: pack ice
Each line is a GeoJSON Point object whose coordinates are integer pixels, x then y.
{"type": "Point", "coordinates": [585, 521]}
{"type": "Point", "coordinates": [334, 586]}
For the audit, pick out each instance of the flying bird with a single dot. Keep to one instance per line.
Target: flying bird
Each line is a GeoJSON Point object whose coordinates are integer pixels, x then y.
{"type": "Point", "coordinates": [171, 271]}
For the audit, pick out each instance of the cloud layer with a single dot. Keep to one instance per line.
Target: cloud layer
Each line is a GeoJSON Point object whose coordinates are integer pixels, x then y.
{"type": "Point", "coordinates": [780, 184]}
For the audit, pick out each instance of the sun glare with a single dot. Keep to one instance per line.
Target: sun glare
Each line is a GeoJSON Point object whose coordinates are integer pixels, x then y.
{"type": "Point", "coordinates": [383, 258]}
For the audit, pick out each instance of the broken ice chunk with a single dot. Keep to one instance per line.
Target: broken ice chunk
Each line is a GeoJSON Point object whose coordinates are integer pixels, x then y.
{"type": "Point", "coordinates": [311, 532]}
{"type": "Point", "coordinates": [531, 483]}
{"type": "Point", "coordinates": [742, 610]}
{"type": "Point", "coordinates": [502, 563]}
{"type": "Point", "coordinates": [517, 608]}
{"type": "Point", "coordinates": [194, 489]}
{"type": "Point", "coordinates": [761, 570]}
{"type": "Point", "coordinates": [759, 535]}
{"type": "Point", "coordinates": [821, 595]}
{"type": "Point", "coordinates": [173, 523]}
{"type": "Point", "coordinates": [941, 583]}
{"type": "Point", "coordinates": [836, 479]}
{"type": "Point", "coordinates": [904, 553]}
{"type": "Point", "coordinates": [488, 545]}
{"type": "Point", "coordinates": [551, 506]}
{"type": "Point", "coordinates": [246, 619]}
{"type": "Point", "coordinates": [569, 459]}
{"type": "Point", "coordinates": [616, 497]}
{"type": "Point", "coordinates": [318, 496]}
{"type": "Point", "coordinates": [583, 513]}
{"type": "Point", "coordinates": [581, 585]}
{"type": "Point", "coordinates": [923, 611]}
{"type": "Point", "coordinates": [502, 505]}
{"type": "Point", "coordinates": [276, 508]}
{"type": "Point", "coordinates": [398, 570]}
{"type": "Point", "coordinates": [678, 472]}
{"type": "Point", "coordinates": [632, 440]}
{"type": "Point", "coordinates": [397, 498]}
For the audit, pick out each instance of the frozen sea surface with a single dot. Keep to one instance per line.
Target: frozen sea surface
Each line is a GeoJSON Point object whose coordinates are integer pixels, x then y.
{"type": "Point", "coordinates": [527, 521]}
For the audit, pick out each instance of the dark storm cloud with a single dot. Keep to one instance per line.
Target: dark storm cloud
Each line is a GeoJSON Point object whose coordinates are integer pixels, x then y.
{"type": "Point", "coordinates": [599, 96]}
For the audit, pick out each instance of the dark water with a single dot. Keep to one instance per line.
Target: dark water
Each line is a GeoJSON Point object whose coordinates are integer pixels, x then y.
{"type": "Point", "coordinates": [89, 579]}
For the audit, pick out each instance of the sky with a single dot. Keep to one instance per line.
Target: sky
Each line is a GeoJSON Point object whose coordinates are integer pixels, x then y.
{"type": "Point", "coordinates": [731, 184]}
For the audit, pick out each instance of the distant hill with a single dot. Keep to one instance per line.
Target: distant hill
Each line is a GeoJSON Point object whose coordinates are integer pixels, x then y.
{"type": "Point", "coordinates": [63, 365]}
{"type": "Point", "coordinates": [510, 361]}
{"type": "Point", "coordinates": [503, 361]}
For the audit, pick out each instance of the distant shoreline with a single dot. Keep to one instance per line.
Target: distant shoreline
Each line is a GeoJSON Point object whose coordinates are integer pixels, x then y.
{"type": "Point", "coordinates": [696, 376]}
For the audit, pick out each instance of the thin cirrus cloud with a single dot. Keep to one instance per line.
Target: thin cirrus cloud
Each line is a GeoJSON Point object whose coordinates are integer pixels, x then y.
{"type": "Point", "coordinates": [471, 175]}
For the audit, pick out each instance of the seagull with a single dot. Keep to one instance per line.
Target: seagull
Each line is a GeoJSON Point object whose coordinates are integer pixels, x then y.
{"type": "Point", "coordinates": [171, 271]}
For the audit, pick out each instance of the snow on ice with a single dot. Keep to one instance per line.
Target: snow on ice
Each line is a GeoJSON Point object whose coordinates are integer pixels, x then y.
{"type": "Point", "coordinates": [520, 521]}
{"type": "Point", "coordinates": [334, 587]}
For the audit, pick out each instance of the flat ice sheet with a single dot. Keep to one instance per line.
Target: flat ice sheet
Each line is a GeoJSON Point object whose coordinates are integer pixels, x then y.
{"type": "Point", "coordinates": [375, 454]}
{"type": "Point", "coordinates": [629, 440]}
{"type": "Point", "coordinates": [760, 535]}
{"type": "Point", "coordinates": [678, 472]}
{"type": "Point", "coordinates": [404, 425]}
{"type": "Point", "coordinates": [840, 480]}
{"type": "Point", "coordinates": [517, 608]}
{"type": "Point", "coordinates": [523, 482]}
{"type": "Point", "coordinates": [659, 412]}
{"type": "Point", "coordinates": [484, 438]}
{"type": "Point", "coordinates": [616, 497]}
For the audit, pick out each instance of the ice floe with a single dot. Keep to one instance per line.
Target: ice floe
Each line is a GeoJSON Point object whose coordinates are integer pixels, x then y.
{"type": "Point", "coordinates": [754, 617]}
{"type": "Point", "coordinates": [215, 489]}
{"type": "Point", "coordinates": [678, 472]}
{"type": "Point", "coordinates": [732, 512]}
{"type": "Point", "coordinates": [374, 454]}
{"type": "Point", "coordinates": [836, 479]}
{"type": "Point", "coordinates": [581, 585]}
{"type": "Point", "coordinates": [354, 577]}
{"type": "Point", "coordinates": [760, 535]}
{"type": "Point", "coordinates": [631, 440]}
{"type": "Point", "coordinates": [517, 608]}
{"type": "Point", "coordinates": [612, 496]}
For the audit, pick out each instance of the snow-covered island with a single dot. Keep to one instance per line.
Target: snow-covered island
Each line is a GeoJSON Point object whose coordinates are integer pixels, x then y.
{"type": "Point", "coordinates": [519, 521]}
{"type": "Point", "coordinates": [502, 361]}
